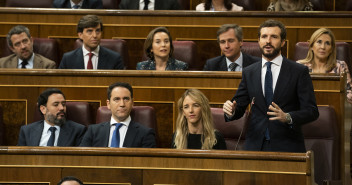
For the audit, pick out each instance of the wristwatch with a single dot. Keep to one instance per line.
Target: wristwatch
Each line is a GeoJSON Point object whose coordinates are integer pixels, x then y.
{"type": "Point", "coordinates": [288, 119]}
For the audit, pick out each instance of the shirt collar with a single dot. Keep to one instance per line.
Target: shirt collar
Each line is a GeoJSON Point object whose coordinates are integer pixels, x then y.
{"type": "Point", "coordinates": [80, 3]}
{"type": "Point", "coordinates": [95, 52]}
{"type": "Point", "coordinates": [277, 61]}
{"type": "Point", "coordinates": [126, 122]}
{"type": "Point", "coordinates": [47, 126]}
{"type": "Point", "coordinates": [239, 61]}
{"type": "Point", "coordinates": [30, 61]}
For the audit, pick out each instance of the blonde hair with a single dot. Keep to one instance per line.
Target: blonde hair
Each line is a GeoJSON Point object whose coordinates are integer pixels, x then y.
{"type": "Point", "coordinates": [331, 61]}
{"type": "Point", "coordinates": [182, 131]}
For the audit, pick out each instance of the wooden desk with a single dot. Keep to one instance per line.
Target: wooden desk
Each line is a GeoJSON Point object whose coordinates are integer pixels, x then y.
{"type": "Point", "coordinates": [128, 166]}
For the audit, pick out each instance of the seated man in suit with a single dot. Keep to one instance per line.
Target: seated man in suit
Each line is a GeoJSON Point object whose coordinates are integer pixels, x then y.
{"type": "Point", "coordinates": [21, 44]}
{"type": "Point", "coordinates": [230, 40]}
{"type": "Point", "coordinates": [54, 130]}
{"type": "Point", "coordinates": [91, 55]}
{"type": "Point", "coordinates": [150, 5]}
{"type": "Point", "coordinates": [78, 4]}
{"type": "Point", "coordinates": [120, 131]}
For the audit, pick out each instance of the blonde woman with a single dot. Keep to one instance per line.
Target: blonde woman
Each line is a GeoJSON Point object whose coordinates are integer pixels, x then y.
{"type": "Point", "coordinates": [321, 57]}
{"type": "Point", "coordinates": [290, 5]}
{"type": "Point", "coordinates": [194, 125]}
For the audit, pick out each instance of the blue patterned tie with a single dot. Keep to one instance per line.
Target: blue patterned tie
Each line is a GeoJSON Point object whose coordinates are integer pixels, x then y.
{"type": "Point", "coordinates": [52, 136]}
{"type": "Point", "coordinates": [268, 88]}
{"type": "Point", "coordinates": [115, 140]}
{"type": "Point", "coordinates": [76, 6]}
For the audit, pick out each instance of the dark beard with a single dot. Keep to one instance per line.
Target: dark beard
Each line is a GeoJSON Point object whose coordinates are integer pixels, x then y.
{"type": "Point", "coordinates": [53, 119]}
{"type": "Point", "coordinates": [272, 55]}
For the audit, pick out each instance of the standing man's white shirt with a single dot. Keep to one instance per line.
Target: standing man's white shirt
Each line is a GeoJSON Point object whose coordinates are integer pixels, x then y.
{"type": "Point", "coordinates": [275, 70]}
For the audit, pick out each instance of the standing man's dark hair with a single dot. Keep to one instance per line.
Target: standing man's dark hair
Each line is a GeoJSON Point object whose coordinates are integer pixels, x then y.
{"type": "Point", "coordinates": [44, 96]}
{"type": "Point", "coordinates": [120, 84]}
{"type": "Point", "coordinates": [70, 178]}
{"type": "Point", "coordinates": [273, 23]}
{"type": "Point", "coordinates": [89, 21]}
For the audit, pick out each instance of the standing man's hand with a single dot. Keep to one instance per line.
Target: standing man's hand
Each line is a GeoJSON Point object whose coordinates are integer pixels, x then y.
{"type": "Point", "coordinates": [277, 113]}
{"type": "Point", "coordinates": [229, 107]}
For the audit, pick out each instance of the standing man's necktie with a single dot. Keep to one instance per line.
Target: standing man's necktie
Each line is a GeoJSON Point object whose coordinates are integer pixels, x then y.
{"type": "Point", "coordinates": [23, 64]}
{"type": "Point", "coordinates": [268, 88]}
{"type": "Point", "coordinates": [52, 136]}
{"type": "Point", "coordinates": [115, 140]}
{"type": "Point", "coordinates": [146, 2]}
{"type": "Point", "coordinates": [76, 6]}
{"type": "Point", "coordinates": [233, 66]}
{"type": "Point", "coordinates": [90, 64]}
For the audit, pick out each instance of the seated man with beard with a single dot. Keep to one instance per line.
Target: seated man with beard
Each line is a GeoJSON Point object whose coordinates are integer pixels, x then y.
{"type": "Point", "coordinates": [54, 130]}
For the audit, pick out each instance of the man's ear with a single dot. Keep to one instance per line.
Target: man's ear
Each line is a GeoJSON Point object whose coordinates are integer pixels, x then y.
{"type": "Point", "coordinates": [43, 109]}
{"type": "Point", "coordinates": [80, 35]}
{"type": "Point", "coordinates": [108, 104]}
{"type": "Point", "coordinates": [283, 43]}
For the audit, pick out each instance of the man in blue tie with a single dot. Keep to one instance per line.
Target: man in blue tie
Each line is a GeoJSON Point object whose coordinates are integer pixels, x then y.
{"type": "Point", "coordinates": [54, 130]}
{"type": "Point", "coordinates": [281, 93]}
{"type": "Point", "coordinates": [120, 131]}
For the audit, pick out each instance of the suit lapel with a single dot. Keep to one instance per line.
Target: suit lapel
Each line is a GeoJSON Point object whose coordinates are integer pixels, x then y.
{"type": "Point", "coordinates": [135, 4]}
{"type": "Point", "coordinates": [14, 62]}
{"type": "Point", "coordinates": [37, 62]}
{"type": "Point", "coordinates": [37, 134]}
{"type": "Point", "coordinates": [130, 135]}
{"type": "Point", "coordinates": [101, 59]}
{"type": "Point", "coordinates": [259, 96]}
{"type": "Point", "coordinates": [283, 80]}
{"type": "Point", "coordinates": [63, 135]}
{"type": "Point", "coordinates": [80, 59]}
{"type": "Point", "coordinates": [223, 64]}
{"type": "Point", "coordinates": [105, 133]}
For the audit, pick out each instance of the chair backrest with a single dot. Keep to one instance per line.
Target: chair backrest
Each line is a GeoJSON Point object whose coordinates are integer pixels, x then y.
{"type": "Point", "coordinates": [49, 48]}
{"type": "Point", "coordinates": [348, 5]}
{"type": "Point", "coordinates": [144, 115]}
{"type": "Point", "coordinates": [117, 45]}
{"type": "Point", "coordinates": [343, 52]}
{"type": "Point", "coordinates": [111, 4]}
{"type": "Point", "coordinates": [318, 5]}
{"type": "Point", "coordinates": [30, 4]}
{"type": "Point", "coordinates": [231, 131]}
{"type": "Point", "coordinates": [251, 48]}
{"type": "Point", "coordinates": [185, 51]}
{"type": "Point", "coordinates": [246, 4]}
{"type": "Point", "coordinates": [79, 112]}
{"type": "Point", "coordinates": [322, 137]}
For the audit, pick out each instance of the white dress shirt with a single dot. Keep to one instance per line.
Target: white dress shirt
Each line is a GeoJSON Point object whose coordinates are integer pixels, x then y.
{"type": "Point", "coordinates": [47, 133]}
{"type": "Point", "coordinates": [239, 63]}
{"type": "Point", "coordinates": [150, 4]}
{"type": "Point", "coordinates": [29, 65]}
{"type": "Point", "coordinates": [122, 130]}
{"type": "Point", "coordinates": [95, 57]}
{"type": "Point", "coordinates": [275, 70]}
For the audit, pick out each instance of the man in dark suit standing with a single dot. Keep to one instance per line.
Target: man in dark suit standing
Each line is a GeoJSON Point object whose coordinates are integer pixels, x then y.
{"type": "Point", "coordinates": [78, 4]}
{"type": "Point", "coordinates": [281, 95]}
{"type": "Point", "coordinates": [91, 55]}
{"type": "Point", "coordinates": [120, 131]}
{"type": "Point", "coordinates": [230, 39]}
{"type": "Point", "coordinates": [54, 130]}
{"type": "Point", "coordinates": [149, 5]}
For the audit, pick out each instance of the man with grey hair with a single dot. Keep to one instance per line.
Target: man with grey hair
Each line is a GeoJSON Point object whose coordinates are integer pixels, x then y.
{"type": "Point", "coordinates": [230, 40]}
{"type": "Point", "coordinates": [21, 44]}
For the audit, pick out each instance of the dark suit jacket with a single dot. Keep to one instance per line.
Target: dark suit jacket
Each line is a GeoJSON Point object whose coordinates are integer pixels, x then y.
{"type": "Point", "coordinates": [219, 63]}
{"type": "Point", "coordinates": [159, 5]}
{"type": "Point", "coordinates": [87, 4]}
{"type": "Point", "coordinates": [39, 62]}
{"type": "Point", "coordinates": [137, 136]}
{"type": "Point", "coordinates": [71, 134]}
{"type": "Point", "coordinates": [107, 59]}
{"type": "Point", "coordinates": [293, 94]}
